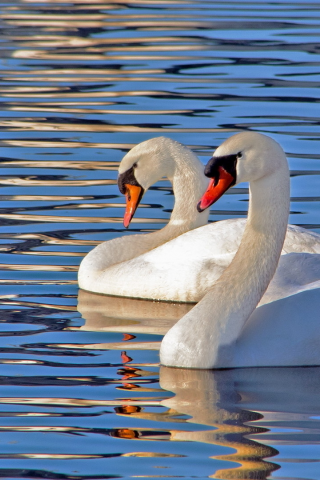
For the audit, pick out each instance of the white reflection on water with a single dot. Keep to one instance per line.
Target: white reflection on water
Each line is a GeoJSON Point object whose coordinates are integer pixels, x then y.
{"type": "Point", "coordinates": [255, 412]}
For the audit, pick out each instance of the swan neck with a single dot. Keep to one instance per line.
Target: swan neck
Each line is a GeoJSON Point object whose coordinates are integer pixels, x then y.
{"type": "Point", "coordinates": [240, 288]}
{"type": "Point", "coordinates": [229, 303]}
{"type": "Point", "coordinates": [261, 245]}
{"type": "Point", "coordinates": [189, 184]}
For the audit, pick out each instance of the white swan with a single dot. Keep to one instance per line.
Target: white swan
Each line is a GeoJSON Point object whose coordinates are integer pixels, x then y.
{"type": "Point", "coordinates": [228, 328]}
{"type": "Point", "coordinates": [158, 265]}
{"type": "Point", "coordinates": [107, 268]}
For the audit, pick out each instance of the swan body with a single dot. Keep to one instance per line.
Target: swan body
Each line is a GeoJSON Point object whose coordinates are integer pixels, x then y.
{"type": "Point", "coordinates": [240, 322]}
{"type": "Point", "coordinates": [144, 165]}
{"type": "Point", "coordinates": [186, 267]}
{"type": "Point", "coordinates": [181, 261]}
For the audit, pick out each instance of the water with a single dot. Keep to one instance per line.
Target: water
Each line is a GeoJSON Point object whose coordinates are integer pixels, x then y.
{"type": "Point", "coordinates": [82, 394]}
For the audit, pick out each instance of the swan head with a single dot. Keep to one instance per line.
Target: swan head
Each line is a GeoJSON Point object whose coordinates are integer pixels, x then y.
{"type": "Point", "coordinates": [144, 165]}
{"type": "Point", "coordinates": [244, 157]}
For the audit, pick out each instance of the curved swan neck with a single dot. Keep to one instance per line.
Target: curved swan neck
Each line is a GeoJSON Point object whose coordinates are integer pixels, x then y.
{"type": "Point", "coordinates": [249, 274]}
{"type": "Point", "coordinates": [223, 311]}
{"type": "Point", "coordinates": [186, 175]}
{"type": "Point", "coordinates": [185, 172]}
{"type": "Point", "coordinates": [189, 184]}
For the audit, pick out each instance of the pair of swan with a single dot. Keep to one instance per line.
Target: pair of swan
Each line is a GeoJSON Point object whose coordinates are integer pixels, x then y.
{"type": "Point", "coordinates": [228, 327]}
{"type": "Point", "coordinates": [181, 261]}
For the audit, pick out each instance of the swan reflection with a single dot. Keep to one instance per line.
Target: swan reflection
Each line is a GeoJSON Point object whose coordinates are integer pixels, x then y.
{"type": "Point", "coordinates": [128, 315]}
{"type": "Point", "coordinates": [213, 399]}
{"type": "Point", "coordinates": [242, 413]}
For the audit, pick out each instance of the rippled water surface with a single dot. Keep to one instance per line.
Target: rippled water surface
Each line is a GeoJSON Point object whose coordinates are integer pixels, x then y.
{"type": "Point", "coordinates": [82, 81]}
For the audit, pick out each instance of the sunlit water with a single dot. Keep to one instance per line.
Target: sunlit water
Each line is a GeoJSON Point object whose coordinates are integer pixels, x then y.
{"type": "Point", "coordinates": [83, 396]}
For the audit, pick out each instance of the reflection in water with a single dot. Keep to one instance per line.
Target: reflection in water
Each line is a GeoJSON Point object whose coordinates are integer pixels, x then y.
{"type": "Point", "coordinates": [250, 409]}
{"type": "Point", "coordinates": [212, 398]}
{"type": "Point", "coordinates": [128, 315]}
{"type": "Point", "coordinates": [209, 398]}
{"type": "Point", "coordinates": [243, 408]}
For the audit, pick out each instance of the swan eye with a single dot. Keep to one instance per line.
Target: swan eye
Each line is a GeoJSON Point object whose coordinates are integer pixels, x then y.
{"type": "Point", "coordinates": [135, 165]}
{"type": "Point", "coordinates": [239, 155]}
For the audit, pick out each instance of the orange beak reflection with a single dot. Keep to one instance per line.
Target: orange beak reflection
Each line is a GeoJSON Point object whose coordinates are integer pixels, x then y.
{"type": "Point", "coordinates": [216, 189]}
{"type": "Point", "coordinates": [133, 196]}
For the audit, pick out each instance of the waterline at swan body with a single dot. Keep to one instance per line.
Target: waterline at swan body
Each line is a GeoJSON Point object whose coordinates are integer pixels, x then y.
{"type": "Point", "coordinates": [181, 261]}
{"type": "Point", "coordinates": [237, 324]}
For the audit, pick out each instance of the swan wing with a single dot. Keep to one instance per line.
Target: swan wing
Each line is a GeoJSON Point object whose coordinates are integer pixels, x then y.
{"type": "Point", "coordinates": [180, 270]}
{"type": "Point", "coordinates": [299, 239]}
{"type": "Point", "coordinates": [283, 333]}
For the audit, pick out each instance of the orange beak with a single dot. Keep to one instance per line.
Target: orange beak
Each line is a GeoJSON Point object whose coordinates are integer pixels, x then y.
{"type": "Point", "coordinates": [133, 196]}
{"type": "Point", "coordinates": [216, 189]}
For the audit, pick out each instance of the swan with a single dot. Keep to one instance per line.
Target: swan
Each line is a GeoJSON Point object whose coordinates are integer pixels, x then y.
{"type": "Point", "coordinates": [181, 261]}
{"type": "Point", "coordinates": [235, 324]}
{"type": "Point", "coordinates": [107, 268]}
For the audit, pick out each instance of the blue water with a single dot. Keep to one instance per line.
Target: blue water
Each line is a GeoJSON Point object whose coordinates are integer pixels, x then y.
{"type": "Point", "coordinates": [81, 83]}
